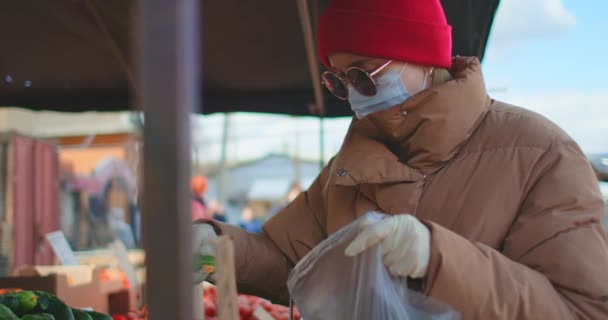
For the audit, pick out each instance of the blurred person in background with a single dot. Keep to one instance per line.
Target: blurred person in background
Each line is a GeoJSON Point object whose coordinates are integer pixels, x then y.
{"type": "Point", "coordinates": [248, 221]}
{"type": "Point", "coordinates": [217, 211]}
{"type": "Point", "coordinates": [114, 215]}
{"type": "Point", "coordinates": [198, 187]}
{"type": "Point", "coordinates": [293, 192]}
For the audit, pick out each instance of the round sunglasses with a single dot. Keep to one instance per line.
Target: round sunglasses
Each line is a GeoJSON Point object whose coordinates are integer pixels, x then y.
{"type": "Point", "coordinates": [361, 80]}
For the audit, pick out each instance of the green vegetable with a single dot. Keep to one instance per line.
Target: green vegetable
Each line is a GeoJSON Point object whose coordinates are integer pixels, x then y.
{"type": "Point", "coordinates": [20, 303]}
{"type": "Point", "coordinates": [38, 316]}
{"type": "Point", "coordinates": [201, 260]}
{"type": "Point", "coordinates": [6, 313]}
{"type": "Point", "coordinates": [81, 315]}
{"type": "Point", "coordinates": [98, 316]}
{"type": "Point", "coordinates": [48, 303]}
{"type": "Point", "coordinates": [10, 301]}
{"type": "Point", "coordinates": [206, 264]}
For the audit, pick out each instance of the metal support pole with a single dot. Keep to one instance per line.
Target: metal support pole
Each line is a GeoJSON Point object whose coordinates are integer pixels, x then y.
{"type": "Point", "coordinates": [167, 75]}
{"type": "Point", "coordinates": [311, 56]}
{"type": "Point", "coordinates": [223, 174]}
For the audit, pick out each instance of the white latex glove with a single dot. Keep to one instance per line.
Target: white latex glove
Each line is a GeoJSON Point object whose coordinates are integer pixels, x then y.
{"type": "Point", "coordinates": [203, 244]}
{"type": "Point", "coordinates": [405, 243]}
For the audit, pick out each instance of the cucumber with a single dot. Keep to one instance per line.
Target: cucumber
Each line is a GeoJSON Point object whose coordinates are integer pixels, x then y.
{"type": "Point", "coordinates": [6, 313]}
{"type": "Point", "coordinates": [38, 316]}
{"type": "Point", "coordinates": [20, 303]}
{"type": "Point", "coordinates": [10, 301]}
{"type": "Point", "coordinates": [48, 303]}
{"type": "Point", "coordinates": [81, 315]}
{"type": "Point", "coordinates": [98, 316]}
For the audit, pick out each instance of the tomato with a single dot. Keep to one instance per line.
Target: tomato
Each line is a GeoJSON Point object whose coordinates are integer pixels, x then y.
{"type": "Point", "coordinates": [119, 317]}
{"type": "Point", "coordinates": [210, 311]}
{"type": "Point", "coordinates": [9, 290]}
{"type": "Point", "coordinates": [210, 291]}
{"type": "Point", "coordinates": [245, 311]}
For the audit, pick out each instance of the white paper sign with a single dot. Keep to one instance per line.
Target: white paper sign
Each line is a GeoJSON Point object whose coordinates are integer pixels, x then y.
{"type": "Point", "coordinates": [121, 253]}
{"type": "Point", "coordinates": [62, 249]}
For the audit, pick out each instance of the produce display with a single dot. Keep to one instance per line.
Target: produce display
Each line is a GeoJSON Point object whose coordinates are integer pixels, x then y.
{"type": "Point", "coordinates": [247, 306]}
{"type": "Point", "coordinates": [17, 304]}
{"type": "Point", "coordinates": [133, 315]}
{"type": "Point", "coordinates": [38, 305]}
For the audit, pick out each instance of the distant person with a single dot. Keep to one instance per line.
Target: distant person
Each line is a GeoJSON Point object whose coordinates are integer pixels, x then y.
{"type": "Point", "coordinates": [292, 193]}
{"type": "Point", "coordinates": [249, 222]}
{"type": "Point", "coordinates": [108, 218]}
{"type": "Point", "coordinates": [119, 228]}
{"type": "Point", "coordinates": [199, 186]}
{"type": "Point", "coordinates": [217, 211]}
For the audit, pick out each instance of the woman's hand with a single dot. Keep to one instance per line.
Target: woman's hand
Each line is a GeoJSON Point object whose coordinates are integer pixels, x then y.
{"type": "Point", "coordinates": [405, 243]}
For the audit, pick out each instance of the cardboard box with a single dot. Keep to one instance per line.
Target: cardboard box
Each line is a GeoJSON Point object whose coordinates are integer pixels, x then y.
{"type": "Point", "coordinates": [77, 286]}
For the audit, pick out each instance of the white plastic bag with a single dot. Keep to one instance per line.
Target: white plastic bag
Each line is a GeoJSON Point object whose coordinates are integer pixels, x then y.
{"type": "Point", "coordinates": [327, 284]}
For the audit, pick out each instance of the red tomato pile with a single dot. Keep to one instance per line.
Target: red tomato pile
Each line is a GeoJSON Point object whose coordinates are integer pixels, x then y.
{"type": "Point", "coordinates": [247, 306]}
{"type": "Point", "coordinates": [9, 290]}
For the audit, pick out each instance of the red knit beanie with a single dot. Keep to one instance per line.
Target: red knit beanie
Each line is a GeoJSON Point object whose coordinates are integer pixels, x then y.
{"type": "Point", "coordinates": [414, 31]}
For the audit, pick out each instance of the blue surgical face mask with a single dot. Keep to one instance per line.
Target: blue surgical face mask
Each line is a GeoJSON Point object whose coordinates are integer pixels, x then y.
{"type": "Point", "coordinates": [390, 92]}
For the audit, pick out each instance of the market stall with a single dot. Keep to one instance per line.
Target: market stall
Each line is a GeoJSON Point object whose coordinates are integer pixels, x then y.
{"type": "Point", "coordinates": [75, 56]}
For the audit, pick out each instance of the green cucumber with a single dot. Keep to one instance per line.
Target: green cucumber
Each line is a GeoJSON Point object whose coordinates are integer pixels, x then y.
{"type": "Point", "coordinates": [48, 303]}
{"type": "Point", "coordinates": [6, 313]}
{"type": "Point", "coordinates": [81, 315]}
{"type": "Point", "coordinates": [98, 316]}
{"type": "Point", "coordinates": [10, 301]}
{"type": "Point", "coordinates": [22, 302]}
{"type": "Point", "coordinates": [38, 316]}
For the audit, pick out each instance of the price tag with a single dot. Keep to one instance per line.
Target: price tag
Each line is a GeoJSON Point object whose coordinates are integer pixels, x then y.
{"type": "Point", "coordinates": [62, 248]}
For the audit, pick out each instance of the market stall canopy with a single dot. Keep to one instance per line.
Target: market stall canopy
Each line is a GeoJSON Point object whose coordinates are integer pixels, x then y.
{"type": "Point", "coordinates": [70, 55]}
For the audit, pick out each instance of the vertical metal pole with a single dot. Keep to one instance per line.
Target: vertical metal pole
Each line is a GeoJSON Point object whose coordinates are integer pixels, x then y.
{"type": "Point", "coordinates": [313, 66]}
{"type": "Point", "coordinates": [168, 35]}
{"type": "Point", "coordinates": [296, 158]}
{"type": "Point", "coordinates": [223, 176]}
{"type": "Point", "coordinates": [311, 55]}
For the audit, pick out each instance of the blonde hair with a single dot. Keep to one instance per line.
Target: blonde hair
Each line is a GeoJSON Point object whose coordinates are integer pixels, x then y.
{"type": "Point", "coordinates": [439, 76]}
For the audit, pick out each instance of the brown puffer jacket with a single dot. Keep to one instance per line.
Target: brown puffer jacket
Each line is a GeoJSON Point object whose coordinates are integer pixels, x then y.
{"type": "Point", "coordinates": [512, 204]}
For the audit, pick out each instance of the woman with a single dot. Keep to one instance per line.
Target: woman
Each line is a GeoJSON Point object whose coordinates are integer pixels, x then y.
{"type": "Point", "coordinates": [198, 187]}
{"type": "Point", "coordinates": [495, 210]}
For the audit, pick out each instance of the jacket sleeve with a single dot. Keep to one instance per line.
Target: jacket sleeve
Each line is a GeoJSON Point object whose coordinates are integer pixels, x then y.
{"type": "Point", "coordinates": [263, 261]}
{"type": "Point", "coordinates": [554, 260]}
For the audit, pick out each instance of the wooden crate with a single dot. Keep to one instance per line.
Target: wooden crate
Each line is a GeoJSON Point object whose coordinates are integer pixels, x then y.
{"type": "Point", "coordinates": [77, 286]}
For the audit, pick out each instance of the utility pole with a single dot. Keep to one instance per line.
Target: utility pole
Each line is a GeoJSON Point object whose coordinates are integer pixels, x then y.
{"type": "Point", "coordinates": [223, 174]}
{"type": "Point", "coordinates": [297, 163]}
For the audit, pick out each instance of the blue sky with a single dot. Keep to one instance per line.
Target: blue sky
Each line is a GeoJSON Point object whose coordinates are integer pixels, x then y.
{"type": "Point", "coordinates": [567, 51]}
{"type": "Point", "coordinates": [550, 56]}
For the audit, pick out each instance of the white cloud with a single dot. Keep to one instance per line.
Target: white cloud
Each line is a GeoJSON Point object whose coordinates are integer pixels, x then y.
{"type": "Point", "coordinates": [518, 20]}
